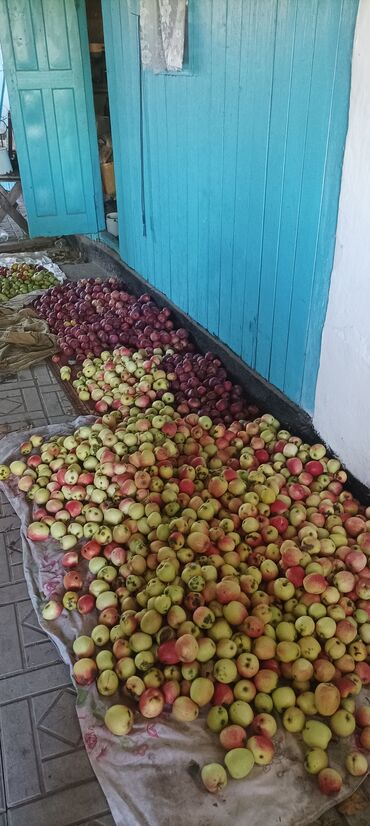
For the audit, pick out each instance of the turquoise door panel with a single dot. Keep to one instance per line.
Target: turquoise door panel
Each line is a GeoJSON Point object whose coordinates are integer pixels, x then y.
{"type": "Point", "coordinates": [46, 59]}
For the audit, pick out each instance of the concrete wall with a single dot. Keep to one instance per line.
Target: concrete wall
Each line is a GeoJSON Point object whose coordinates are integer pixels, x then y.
{"type": "Point", "coordinates": [342, 407]}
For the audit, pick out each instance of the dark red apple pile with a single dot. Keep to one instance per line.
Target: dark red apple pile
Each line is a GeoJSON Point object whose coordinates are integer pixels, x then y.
{"type": "Point", "coordinates": [201, 384]}
{"type": "Point", "coordinates": [92, 315]}
{"type": "Point", "coordinates": [225, 563]}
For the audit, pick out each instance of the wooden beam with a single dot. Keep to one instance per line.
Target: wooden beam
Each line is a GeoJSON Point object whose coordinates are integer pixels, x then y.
{"type": "Point", "coordinates": [12, 211]}
{"type": "Point", "coordinates": [12, 197]}
{"type": "Point", "coordinates": [27, 244]}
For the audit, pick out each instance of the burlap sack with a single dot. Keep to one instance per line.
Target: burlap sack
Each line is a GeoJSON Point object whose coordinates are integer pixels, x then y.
{"type": "Point", "coordinates": [24, 340]}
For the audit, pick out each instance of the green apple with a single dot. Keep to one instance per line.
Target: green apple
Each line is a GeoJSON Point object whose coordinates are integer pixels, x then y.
{"type": "Point", "coordinates": [283, 697]}
{"type": "Point", "coordinates": [217, 718]}
{"type": "Point", "coordinates": [315, 760]}
{"type": "Point", "coordinates": [239, 762]}
{"type": "Point", "coordinates": [294, 719]}
{"type": "Point", "coordinates": [241, 713]}
{"type": "Point", "coordinates": [342, 723]}
{"type": "Point", "coordinates": [214, 777]}
{"type": "Point", "coordinates": [316, 734]}
{"type": "Point", "coordinates": [356, 764]}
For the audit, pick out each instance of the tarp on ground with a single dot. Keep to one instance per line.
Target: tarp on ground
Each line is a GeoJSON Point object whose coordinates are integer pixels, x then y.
{"type": "Point", "coordinates": [25, 339]}
{"type": "Point", "coordinates": [152, 776]}
{"type": "Point", "coordinates": [37, 259]}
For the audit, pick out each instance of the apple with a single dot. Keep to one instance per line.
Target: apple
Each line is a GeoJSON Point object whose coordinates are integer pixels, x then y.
{"type": "Point", "coordinates": [186, 648]}
{"type": "Point", "coordinates": [225, 671]}
{"type": "Point", "coordinates": [262, 749]}
{"type": "Point", "coordinates": [70, 600]}
{"type": "Point", "coordinates": [330, 781]}
{"type": "Point", "coordinates": [263, 703]}
{"type": "Point", "coordinates": [283, 697]}
{"type": "Point", "coordinates": [100, 635]}
{"type": "Point", "coordinates": [239, 762]}
{"type": "Point", "coordinates": [316, 734]}
{"type": "Point", "coordinates": [363, 716]}
{"type": "Point", "coordinates": [134, 686]}
{"type": "Point", "coordinates": [315, 760]}
{"type": "Point", "coordinates": [107, 682]}
{"type": "Point", "coordinates": [310, 648]}
{"type": "Point", "coordinates": [84, 671]}
{"type": "Point", "coordinates": [217, 718]}
{"type": "Point", "coordinates": [365, 738]}
{"type": "Point", "coordinates": [4, 472]}
{"type": "Point", "coordinates": [241, 713]}
{"type": "Point", "coordinates": [214, 777]}
{"type": "Point", "coordinates": [51, 610]}
{"type": "Point", "coordinates": [356, 764]}
{"type": "Point", "coordinates": [125, 668]}
{"type": "Point", "coordinates": [327, 699]}
{"type": "Point", "coordinates": [342, 723]}
{"type": "Point", "coordinates": [294, 719]}
{"type": "Point", "coordinates": [302, 670]}
{"type": "Point", "coordinates": [326, 627]}
{"type": "Point", "coordinates": [201, 691]}
{"type": "Point", "coordinates": [232, 737]}
{"type": "Point", "coordinates": [264, 723]}
{"type": "Point", "coordinates": [17, 468]}
{"type": "Point", "coordinates": [38, 531]}
{"type": "Point", "coordinates": [105, 660]}
{"type": "Point", "coordinates": [184, 709]}
{"type": "Point", "coordinates": [83, 646]}
{"type": "Point", "coordinates": [119, 719]}
{"type": "Point", "coordinates": [86, 604]}
{"type": "Point", "coordinates": [247, 664]}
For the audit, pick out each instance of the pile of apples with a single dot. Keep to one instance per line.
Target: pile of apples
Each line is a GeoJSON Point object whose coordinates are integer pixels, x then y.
{"type": "Point", "coordinates": [229, 571]}
{"type": "Point", "coordinates": [121, 380]}
{"type": "Point", "coordinates": [92, 315]}
{"type": "Point", "coordinates": [19, 278]}
{"type": "Point", "coordinates": [201, 385]}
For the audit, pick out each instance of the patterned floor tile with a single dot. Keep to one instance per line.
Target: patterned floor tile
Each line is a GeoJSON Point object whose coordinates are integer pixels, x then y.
{"type": "Point", "coordinates": [46, 771]}
{"type": "Point", "coordinates": [69, 807]}
{"type": "Point", "coordinates": [2, 790]}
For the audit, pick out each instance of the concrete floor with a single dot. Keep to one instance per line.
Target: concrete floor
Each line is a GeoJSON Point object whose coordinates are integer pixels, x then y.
{"type": "Point", "coordinates": [45, 774]}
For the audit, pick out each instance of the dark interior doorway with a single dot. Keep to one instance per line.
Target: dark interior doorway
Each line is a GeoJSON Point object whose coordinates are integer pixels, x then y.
{"type": "Point", "coordinates": [101, 104]}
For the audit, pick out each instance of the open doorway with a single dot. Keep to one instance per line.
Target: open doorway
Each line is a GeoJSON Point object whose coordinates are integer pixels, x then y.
{"type": "Point", "coordinates": [101, 105]}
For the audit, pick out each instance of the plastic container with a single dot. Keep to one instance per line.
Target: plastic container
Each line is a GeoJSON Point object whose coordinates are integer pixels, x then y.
{"type": "Point", "coordinates": [112, 223]}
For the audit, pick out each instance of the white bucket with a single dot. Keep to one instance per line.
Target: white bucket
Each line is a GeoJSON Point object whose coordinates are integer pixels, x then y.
{"type": "Point", "coordinates": [112, 223]}
{"type": "Point", "coordinates": [5, 165]}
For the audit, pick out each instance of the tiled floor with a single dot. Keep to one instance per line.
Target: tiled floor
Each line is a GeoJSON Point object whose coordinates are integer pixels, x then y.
{"type": "Point", "coordinates": [45, 775]}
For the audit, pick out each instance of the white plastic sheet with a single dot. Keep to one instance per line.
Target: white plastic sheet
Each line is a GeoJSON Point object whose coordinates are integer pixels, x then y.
{"type": "Point", "coordinates": [36, 258]}
{"type": "Point", "coordinates": [152, 776]}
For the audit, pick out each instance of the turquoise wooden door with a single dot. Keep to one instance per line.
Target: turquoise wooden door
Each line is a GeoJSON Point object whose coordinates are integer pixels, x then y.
{"type": "Point", "coordinates": [46, 59]}
{"type": "Point", "coordinates": [228, 173]}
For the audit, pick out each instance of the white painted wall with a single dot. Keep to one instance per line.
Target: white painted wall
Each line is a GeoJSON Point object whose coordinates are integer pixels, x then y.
{"type": "Point", "coordinates": [342, 406]}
